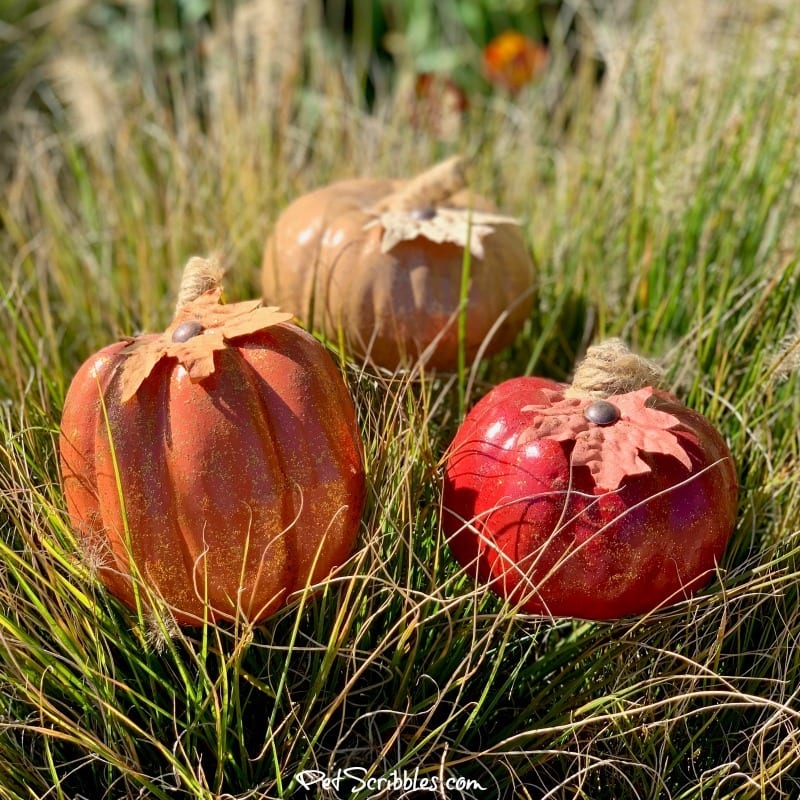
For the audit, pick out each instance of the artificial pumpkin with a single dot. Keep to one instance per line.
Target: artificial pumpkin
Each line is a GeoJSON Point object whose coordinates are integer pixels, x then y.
{"type": "Point", "coordinates": [380, 264]}
{"type": "Point", "coordinates": [218, 465]}
{"type": "Point", "coordinates": [598, 500]}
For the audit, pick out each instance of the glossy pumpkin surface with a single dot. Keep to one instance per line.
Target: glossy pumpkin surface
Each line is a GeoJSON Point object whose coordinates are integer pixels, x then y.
{"type": "Point", "coordinates": [396, 298]}
{"type": "Point", "coordinates": [593, 509]}
{"type": "Point", "coordinates": [219, 469]}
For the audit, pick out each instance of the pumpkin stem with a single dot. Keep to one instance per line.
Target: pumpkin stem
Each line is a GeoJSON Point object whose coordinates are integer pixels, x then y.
{"type": "Point", "coordinates": [429, 188]}
{"type": "Point", "coordinates": [611, 368]}
{"type": "Point", "coordinates": [200, 275]}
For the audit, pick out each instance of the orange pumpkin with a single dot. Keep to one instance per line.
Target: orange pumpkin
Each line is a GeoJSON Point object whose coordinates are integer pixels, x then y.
{"type": "Point", "coordinates": [217, 466]}
{"type": "Point", "coordinates": [379, 263]}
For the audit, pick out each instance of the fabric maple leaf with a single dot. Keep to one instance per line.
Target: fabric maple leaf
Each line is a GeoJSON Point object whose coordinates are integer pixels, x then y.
{"type": "Point", "coordinates": [220, 323]}
{"type": "Point", "coordinates": [460, 226]}
{"type": "Point", "coordinates": [611, 452]}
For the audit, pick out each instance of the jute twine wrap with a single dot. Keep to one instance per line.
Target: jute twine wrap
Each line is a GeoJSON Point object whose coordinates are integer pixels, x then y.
{"type": "Point", "coordinates": [611, 368]}
{"type": "Point", "coordinates": [429, 188]}
{"type": "Point", "coordinates": [200, 275]}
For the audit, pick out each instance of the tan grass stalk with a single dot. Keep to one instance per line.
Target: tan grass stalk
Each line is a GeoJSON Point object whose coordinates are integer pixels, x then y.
{"type": "Point", "coordinates": [87, 88]}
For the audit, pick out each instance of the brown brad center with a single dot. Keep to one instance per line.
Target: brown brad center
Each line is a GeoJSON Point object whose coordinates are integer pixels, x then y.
{"type": "Point", "coordinates": [423, 213]}
{"type": "Point", "coordinates": [601, 412]}
{"type": "Point", "coordinates": [186, 330]}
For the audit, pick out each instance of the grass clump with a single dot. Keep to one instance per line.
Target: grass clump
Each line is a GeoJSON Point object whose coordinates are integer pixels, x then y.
{"type": "Point", "coordinates": [661, 206]}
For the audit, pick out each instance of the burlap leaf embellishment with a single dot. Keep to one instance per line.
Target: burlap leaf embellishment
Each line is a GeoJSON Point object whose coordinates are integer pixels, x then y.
{"type": "Point", "coordinates": [200, 328]}
{"type": "Point", "coordinates": [611, 452]}
{"type": "Point", "coordinates": [459, 226]}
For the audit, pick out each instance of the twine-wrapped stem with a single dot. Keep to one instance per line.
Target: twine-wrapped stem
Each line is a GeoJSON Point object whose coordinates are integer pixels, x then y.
{"type": "Point", "coordinates": [611, 368]}
{"type": "Point", "coordinates": [200, 275]}
{"type": "Point", "coordinates": [430, 188]}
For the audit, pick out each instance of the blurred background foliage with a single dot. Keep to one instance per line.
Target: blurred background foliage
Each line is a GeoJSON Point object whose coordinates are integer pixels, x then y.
{"type": "Point", "coordinates": [377, 36]}
{"type": "Point", "coordinates": [377, 43]}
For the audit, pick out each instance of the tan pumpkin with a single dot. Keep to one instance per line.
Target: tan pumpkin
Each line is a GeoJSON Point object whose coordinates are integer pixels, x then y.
{"type": "Point", "coordinates": [378, 263]}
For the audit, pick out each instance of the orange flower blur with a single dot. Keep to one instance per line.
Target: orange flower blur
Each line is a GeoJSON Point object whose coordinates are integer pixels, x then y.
{"type": "Point", "coordinates": [512, 60]}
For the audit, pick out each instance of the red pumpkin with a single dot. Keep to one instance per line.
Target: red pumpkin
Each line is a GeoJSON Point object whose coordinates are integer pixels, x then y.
{"type": "Point", "coordinates": [217, 465]}
{"type": "Point", "coordinates": [571, 505]}
{"type": "Point", "coordinates": [378, 265]}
